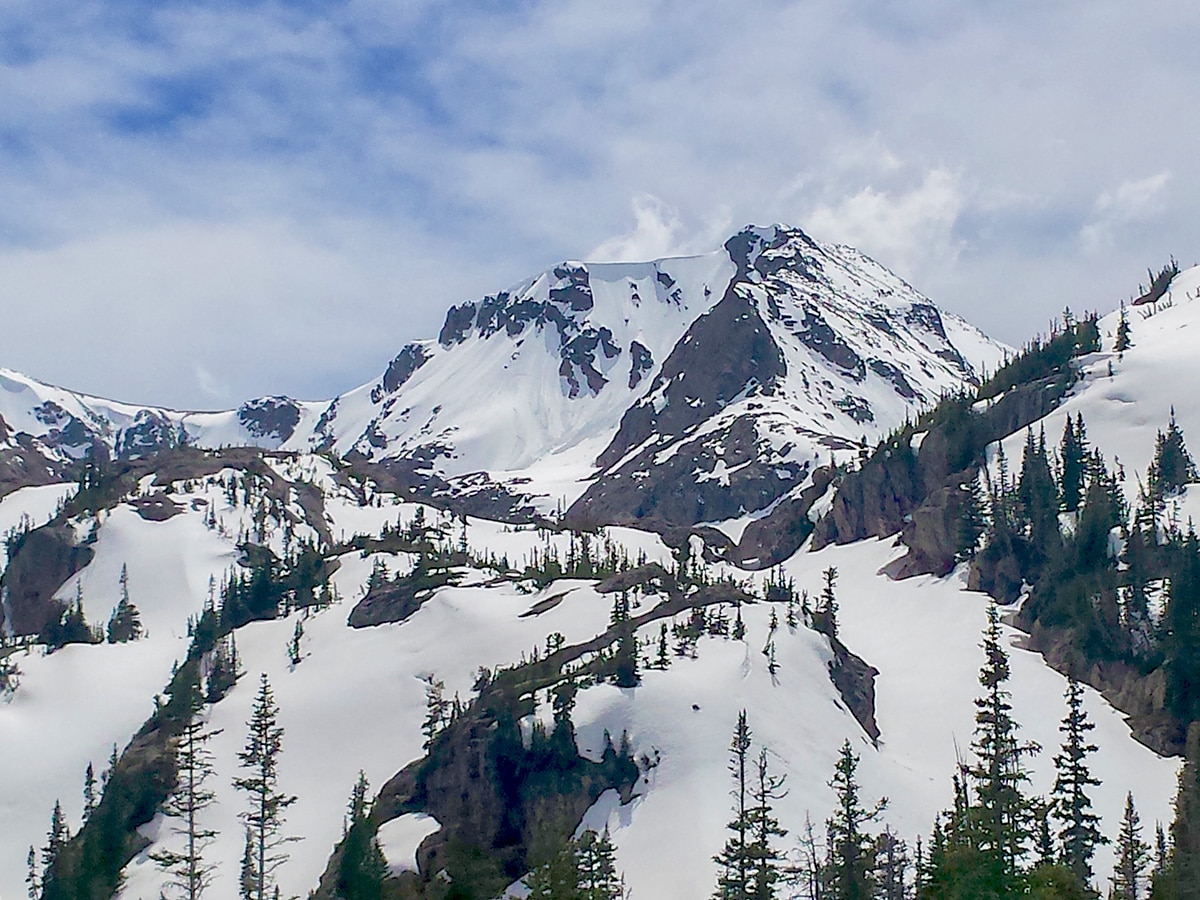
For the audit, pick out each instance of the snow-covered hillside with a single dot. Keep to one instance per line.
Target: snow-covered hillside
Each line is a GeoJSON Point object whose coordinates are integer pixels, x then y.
{"type": "Point", "coordinates": [693, 397]}
{"type": "Point", "coordinates": [356, 701]}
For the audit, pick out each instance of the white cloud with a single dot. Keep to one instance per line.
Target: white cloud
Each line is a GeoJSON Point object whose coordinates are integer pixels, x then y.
{"type": "Point", "coordinates": [1133, 202]}
{"type": "Point", "coordinates": [907, 230]}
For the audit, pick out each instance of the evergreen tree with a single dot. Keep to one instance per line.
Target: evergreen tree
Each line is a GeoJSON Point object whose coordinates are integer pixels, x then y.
{"type": "Point", "coordinates": [595, 863]}
{"type": "Point", "coordinates": [189, 874]}
{"type": "Point", "coordinates": [852, 863]}
{"type": "Point", "coordinates": [1037, 496]}
{"type": "Point", "coordinates": [1180, 877]}
{"type": "Point", "coordinates": [1133, 857]}
{"type": "Point", "coordinates": [999, 773]}
{"type": "Point", "coordinates": [891, 867]}
{"type": "Point", "coordinates": [362, 867]}
{"type": "Point", "coordinates": [972, 522]}
{"type": "Point", "coordinates": [663, 659]}
{"type": "Point", "coordinates": [825, 617]}
{"type": "Point", "coordinates": [33, 881]}
{"type": "Point", "coordinates": [56, 839]}
{"type": "Point", "coordinates": [739, 627]}
{"type": "Point", "coordinates": [125, 623]}
{"type": "Point", "coordinates": [1173, 467]}
{"type": "Point", "coordinates": [264, 819]}
{"type": "Point", "coordinates": [89, 791]}
{"type": "Point", "coordinates": [764, 827]}
{"type": "Point", "coordinates": [294, 652]}
{"type": "Point", "coordinates": [627, 647]}
{"type": "Point", "coordinates": [1073, 452]}
{"type": "Point", "coordinates": [1080, 831]}
{"type": "Point", "coordinates": [735, 860]}
{"type": "Point", "coordinates": [435, 711]}
{"type": "Point", "coordinates": [1123, 342]}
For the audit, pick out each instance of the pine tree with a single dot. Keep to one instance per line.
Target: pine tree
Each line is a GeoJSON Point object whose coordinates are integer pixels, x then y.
{"type": "Point", "coordinates": [663, 658]}
{"type": "Point", "coordinates": [362, 867]}
{"type": "Point", "coordinates": [56, 839]}
{"type": "Point", "coordinates": [435, 710]}
{"type": "Point", "coordinates": [1073, 451]}
{"type": "Point", "coordinates": [1133, 857]}
{"type": "Point", "coordinates": [764, 827]}
{"type": "Point", "coordinates": [595, 863]}
{"type": "Point", "coordinates": [827, 610]}
{"type": "Point", "coordinates": [125, 623]}
{"type": "Point", "coordinates": [1173, 467]}
{"type": "Point", "coordinates": [1080, 831]}
{"type": "Point", "coordinates": [1123, 342]}
{"type": "Point", "coordinates": [1037, 496]}
{"type": "Point", "coordinates": [33, 881]}
{"type": "Point", "coordinates": [294, 652]}
{"type": "Point", "coordinates": [735, 860]}
{"type": "Point", "coordinates": [994, 828]}
{"type": "Point", "coordinates": [189, 874]}
{"type": "Point", "coordinates": [852, 863]}
{"type": "Point", "coordinates": [89, 791]}
{"type": "Point", "coordinates": [264, 819]}
{"type": "Point", "coordinates": [972, 522]}
{"type": "Point", "coordinates": [1180, 877]}
{"type": "Point", "coordinates": [248, 876]}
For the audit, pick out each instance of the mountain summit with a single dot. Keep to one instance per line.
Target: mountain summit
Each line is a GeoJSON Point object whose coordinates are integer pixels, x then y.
{"type": "Point", "coordinates": [667, 393]}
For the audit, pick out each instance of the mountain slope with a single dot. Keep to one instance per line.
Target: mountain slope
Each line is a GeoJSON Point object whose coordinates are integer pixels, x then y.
{"type": "Point", "coordinates": [741, 372]}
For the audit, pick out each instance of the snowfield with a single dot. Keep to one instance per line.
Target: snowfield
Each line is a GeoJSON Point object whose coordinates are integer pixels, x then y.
{"type": "Point", "coordinates": [357, 698]}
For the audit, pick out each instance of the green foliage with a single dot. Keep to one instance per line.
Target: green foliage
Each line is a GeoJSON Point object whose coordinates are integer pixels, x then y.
{"type": "Point", "coordinates": [264, 817]}
{"type": "Point", "coordinates": [1080, 831]}
{"type": "Point", "coordinates": [1043, 359]}
{"type": "Point", "coordinates": [850, 873]}
{"type": "Point", "coordinates": [362, 867]}
{"type": "Point", "coordinates": [1173, 467]}
{"type": "Point", "coordinates": [1133, 857]}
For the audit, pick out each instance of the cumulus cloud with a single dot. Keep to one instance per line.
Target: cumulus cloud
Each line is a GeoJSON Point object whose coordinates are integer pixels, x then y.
{"type": "Point", "coordinates": [1131, 203]}
{"type": "Point", "coordinates": [908, 229]}
{"type": "Point", "coordinates": [340, 162]}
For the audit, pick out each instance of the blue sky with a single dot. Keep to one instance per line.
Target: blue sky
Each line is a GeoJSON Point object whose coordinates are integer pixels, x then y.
{"type": "Point", "coordinates": [203, 202]}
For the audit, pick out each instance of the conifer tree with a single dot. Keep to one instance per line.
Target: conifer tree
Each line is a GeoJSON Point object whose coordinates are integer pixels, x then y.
{"type": "Point", "coordinates": [294, 652]}
{"type": "Point", "coordinates": [1073, 451]}
{"type": "Point", "coordinates": [125, 623]}
{"type": "Point", "coordinates": [56, 839]}
{"type": "Point", "coordinates": [1123, 342]}
{"type": "Point", "coordinates": [33, 881]}
{"type": "Point", "coordinates": [764, 828]}
{"type": "Point", "coordinates": [663, 659]}
{"type": "Point", "coordinates": [264, 819]}
{"type": "Point", "coordinates": [189, 874]}
{"type": "Point", "coordinates": [852, 863]}
{"type": "Point", "coordinates": [735, 860]}
{"type": "Point", "coordinates": [1173, 467]}
{"type": "Point", "coordinates": [362, 867]}
{"type": "Point", "coordinates": [972, 522]}
{"type": "Point", "coordinates": [595, 863]}
{"type": "Point", "coordinates": [1133, 857]}
{"type": "Point", "coordinates": [827, 610]}
{"type": "Point", "coordinates": [1037, 496]}
{"type": "Point", "coordinates": [89, 791]}
{"type": "Point", "coordinates": [978, 852]}
{"type": "Point", "coordinates": [1179, 879]}
{"type": "Point", "coordinates": [1080, 831]}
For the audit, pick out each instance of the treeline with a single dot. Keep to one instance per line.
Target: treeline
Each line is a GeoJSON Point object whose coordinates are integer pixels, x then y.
{"type": "Point", "coordinates": [996, 841]}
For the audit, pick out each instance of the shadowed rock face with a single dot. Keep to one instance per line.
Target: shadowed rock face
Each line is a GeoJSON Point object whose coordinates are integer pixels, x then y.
{"type": "Point", "coordinates": [725, 353]}
{"type": "Point", "coordinates": [41, 564]}
{"type": "Point", "coordinates": [149, 433]}
{"type": "Point", "coordinates": [270, 417]}
{"type": "Point", "coordinates": [407, 361]}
